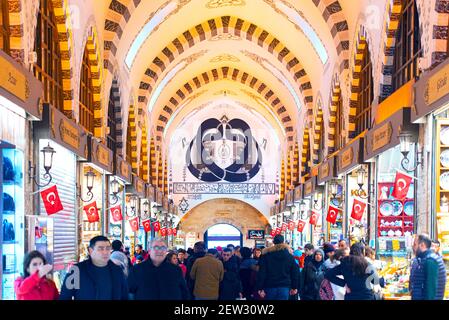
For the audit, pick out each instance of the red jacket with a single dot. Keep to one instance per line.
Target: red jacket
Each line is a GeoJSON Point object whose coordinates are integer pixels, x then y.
{"type": "Point", "coordinates": [35, 288]}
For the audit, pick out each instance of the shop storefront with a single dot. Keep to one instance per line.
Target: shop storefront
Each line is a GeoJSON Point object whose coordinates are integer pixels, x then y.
{"type": "Point", "coordinates": [20, 96]}
{"type": "Point", "coordinates": [333, 196]}
{"type": "Point", "coordinates": [395, 211]}
{"type": "Point", "coordinates": [134, 231]}
{"type": "Point", "coordinates": [297, 197]}
{"type": "Point", "coordinates": [56, 235]}
{"type": "Point", "coordinates": [357, 187]}
{"type": "Point", "coordinates": [150, 199]}
{"type": "Point", "coordinates": [118, 182]}
{"type": "Point", "coordinates": [289, 218]}
{"type": "Point", "coordinates": [313, 196]}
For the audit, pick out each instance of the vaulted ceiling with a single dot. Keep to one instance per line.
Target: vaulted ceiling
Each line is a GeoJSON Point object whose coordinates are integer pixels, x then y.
{"type": "Point", "coordinates": [270, 54]}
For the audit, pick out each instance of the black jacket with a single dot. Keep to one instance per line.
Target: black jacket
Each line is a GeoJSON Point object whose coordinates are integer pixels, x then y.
{"type": "Point", "coordinates": [148, 282]}
{"type": "Point", "coordinates": [277, 268]}
{"type": "Point", "coordinates": [231, 286]}
{"type": "Point", "coordinates": [310, 281]}
{"type": "Point", "coordinates": [357, 284]}
{"type": "Point", "coordinates": [86, 288]}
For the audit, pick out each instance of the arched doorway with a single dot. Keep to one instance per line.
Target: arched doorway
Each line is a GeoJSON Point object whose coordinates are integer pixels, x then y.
{"type": "Point", "coordinates": [221, 235]}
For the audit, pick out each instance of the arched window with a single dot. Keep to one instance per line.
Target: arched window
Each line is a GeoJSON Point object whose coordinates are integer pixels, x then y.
{"type": "Point", "coordinates": [48, 68]}
{"type": "Point", "coordinates": [366, 93]}
{"type": "Point", "coordinates": [112, 123]}
{"type": "Point", "coordinates": [4, 26]}
{"type": "Point", "coordinates": [408, 45]}
{"type": "Point", "coordinates": [86, 95]}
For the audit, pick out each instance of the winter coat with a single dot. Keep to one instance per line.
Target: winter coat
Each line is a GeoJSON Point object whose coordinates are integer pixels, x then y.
{"type": "Point", "coordinates": [277, 268]}
{"type": "Point", "coordinates": [231, 286]}
{"type": "Point", "coordinates": [248, 276]}
{"type": "Point", "coordinates": [427, 277]}
{"type": "Point", "coordinates": [311, 278]}
{"type": "Point", "coordinates": [357, 284]}
{"type": "Point", "coordinates": [207, 273]}
{"type": "Point", "coordinates": [87, 288]}
{"type": "Point", "coordinates": [165, 282]}
{"type": "Point", "coordinates": [144, 255]}
{"type": "Point", "coordinates": [35, 288]}
{"type": "Point", "coordinates": [189, 264]}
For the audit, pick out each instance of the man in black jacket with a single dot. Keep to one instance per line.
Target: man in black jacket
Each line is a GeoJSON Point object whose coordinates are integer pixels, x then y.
{"type": "Point", "coordinates": [96, 278]}
{"type": "Point", "coordinates": [199, 251]}
{"type": "Point", "coordinates": [278, 273]}
{"type": "Point", "coordinates": [155, 278]}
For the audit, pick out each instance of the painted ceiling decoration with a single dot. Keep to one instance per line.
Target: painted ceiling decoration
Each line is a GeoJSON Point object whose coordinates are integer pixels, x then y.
{"type": "Point", "coordinates": [225, 24]}
{"type": "Point", "coordinates": [222, 74]}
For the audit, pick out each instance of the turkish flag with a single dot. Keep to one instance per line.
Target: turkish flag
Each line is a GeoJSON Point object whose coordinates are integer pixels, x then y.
{"type": "Point", "coordinates": [358, 208]}
{"type": "Point", "coordinates": [314, 218]}
{"type": "Point", "coordinates": [332, 214]}
{"type": "Point", "coordinates": [146, 225]}
{"type": "Point", "coordinates": [134, 223]}
{"type": "Point", "coordinates": [156, 226]}
{"type": "Point", "coordinates": [278, 231]}
{"type": "Point", "coordinates": [52, 202]}
{"type": "Point", "coordinates": [169, 231]}
{"type": "Point", "coordinates": [174, 232]}
{"type": "Point", "coordinates": [301, 225]}
{"type": "Point", "coordinates": [92, 212]}
{"type": "Point", "coordinates": [401, 185]}
{"type": "Point", "coordinates": [273, 232]}
{"type": "Point", "coordinates": [117, 213]}
{"type": "Point", "coordinates": [284, 227]}
{"type": "Point", "coordinates": [291, 225]}
{"type": "Point", "coordinates": [163, 232]}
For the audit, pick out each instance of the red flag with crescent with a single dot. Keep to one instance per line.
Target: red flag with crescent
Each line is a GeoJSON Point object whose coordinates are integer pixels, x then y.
{"type": "Point", "coordinates": [273, 232]}
{"type": "Point", "coordinates": [156, 226]}
{"type": "Point", "coordinates": [134, 223]}
{"type": "Point", "coordinates": [284, 227]}
{"type": "Point", "coordinates": [278, 231]}
{"type": "Point", "coordinates": [332, 214]}
{"type": "Point", "coordinates": [52, 202]}
{"type": "Point", "coordinates": [401, 185]}
{"type": "Point", "coordinates": [146, 225]}
{"type": "Point", "coordinates": [174, 232]}
{"type": "Point", "coordinates": [358, 208]}
{"type": "Point", "coordinates": [163, 232]}
{"type": "Point", "coordinates": [92, 212]}
{"type": "Point", "coordinates": [291, 225]}
{"type": "Point", "coordinates": [169, 231]}
{"type": "Point", "coordinates": [314, 218]}
{"type": "Point", "coordinates": [301, 225]}
{"type": "Point", "coordinates": [116, 213]}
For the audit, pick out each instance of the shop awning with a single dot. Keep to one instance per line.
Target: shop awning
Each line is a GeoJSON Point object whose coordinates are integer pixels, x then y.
{"type": "Point", "coordinates": [100, 155]}
{"type": "Point", "coordinates": [123, 170]}
{"type": "Point", "coordinates": [385, 135]}
{"type": "Point", "coordinates": [431, 92]}
{"type": "Point", "coordinates": [19, 86]}
{"type": "Point", "coordinates": [57, 127]}
{"type": "Point", "coordinates": [351, 155]}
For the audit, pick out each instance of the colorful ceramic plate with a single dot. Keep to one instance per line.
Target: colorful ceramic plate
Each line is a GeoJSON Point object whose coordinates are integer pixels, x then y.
{"type": "Point", "coordinates": [398, 233]}
{"type": "Point", "coordinates": [444, 181]}
{"type": "Point", "coordinates": [397, 208]}
{"type": "Point", "coordinates": [386, 209]}
{"type": "Point", "coordinates": [444, 158]}
{"type": "Point", "coordinates": [444, 136]}
{"type": "Point", "coordinates": [408, 208]}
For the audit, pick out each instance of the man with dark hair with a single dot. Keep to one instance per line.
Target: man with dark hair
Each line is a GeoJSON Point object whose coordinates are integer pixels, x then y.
{"type": "Point", "coordinates": [96, 278]}
{"type": "Point", "coordinates": [199, 251]}
{"type": "Point", "coordinates": [117, 246]}
{"type": "Point", "coordinates": [230, 287]}
{"type": "Point", "coordinates": [278, 274]}
{"type": "Point", "coordinates": [436, 246]}
{"type": "Point", "coordinates": [182, 256]}
{"type": "Point", "coordinates": [207, 272]}
{"type": "Point", "coordinates": [428, 272]}
{"type": "Point", "coordinates": [139, 252]}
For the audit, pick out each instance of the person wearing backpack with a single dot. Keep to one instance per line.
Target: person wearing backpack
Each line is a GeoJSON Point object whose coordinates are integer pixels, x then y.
{"type": "Point", "coordinates": [312, 276]}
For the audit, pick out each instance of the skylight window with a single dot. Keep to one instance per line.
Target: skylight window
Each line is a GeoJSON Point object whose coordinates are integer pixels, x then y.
{"type": "Point", "coordinates": [307, 29]}
{"type": "Point", "coordinates": [146, 31]}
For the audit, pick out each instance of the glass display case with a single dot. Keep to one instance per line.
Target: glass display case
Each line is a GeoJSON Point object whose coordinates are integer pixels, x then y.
{"type": "Point", "coordinates": [12, 217]}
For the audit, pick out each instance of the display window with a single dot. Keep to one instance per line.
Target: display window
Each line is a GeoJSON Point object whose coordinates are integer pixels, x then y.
{"type": "Point", "coordinates": [318, 235]}
{"type": "Point", "coordinates": [115, 228]}
{"type": "Point", "coordinates": [334, 230]}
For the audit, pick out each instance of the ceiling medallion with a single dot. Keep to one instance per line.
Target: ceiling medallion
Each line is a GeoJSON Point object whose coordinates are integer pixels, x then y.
{"type": "Point", "coordinates": [225, 36]}
{"type": "Point", "coordinates": [225, 57]}
{"type": "Point", "coordinates": [213, 4]}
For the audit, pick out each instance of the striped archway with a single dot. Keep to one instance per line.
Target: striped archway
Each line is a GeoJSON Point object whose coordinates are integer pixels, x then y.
{"type": "Point", "coordinates": [440, 26]}
{"type": "Point", "coordinates": [224, 73]}
{"type": "Point", "coordinates": [305, 152]}
{"type": "Point", "coordinates": [296, 175]}
{"type": "Point", "coordinates": [143, 168]}
{"type": "Point", "coordinates": [317, 133]}
{"type": "Point", "coordinates": [131, 140]}
{"type": "Point", "coordinates": [160, 167]}
{"type": "Point", "coordinates": [282, 196]}
{"type": "Point", "coordinates": [238, 27]}
{"type": "Point", "coordinates": [114, 97]}
{"type": "Point", "coordinates": [333, 116]}
{"type": "Point", "coordinates": [332, 13]}
{"type": "Point", "coordinates": [153, 162]}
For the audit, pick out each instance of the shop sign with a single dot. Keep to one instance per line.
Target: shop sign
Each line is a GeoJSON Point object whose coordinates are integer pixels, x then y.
{"type": "Point", "coordinates": [20, 86]}
{"type": "Point", "coordinates": [100, 155]}
{"type": "Point", "coordinates": [350, 156]}
{"type": "Point", "coordinates": [123, 169]}
{"type": "Point", "coordinates": [382, 136]}
{"type": "Point", "coordinates": [346, 158]}
{"type": "Point", "coordinates": [277, 208]}
{"type": "Point", "coordinates": [309, 187]}
{"type": "Point", "coordinates": [69, 133]}
{"type": "Point", "coordinates": [256, 234]}
{"type": "Point", "coordinates": [289, 198]}
{"type": "Point", "coordinates": [283, 207]}
{"type": "Point", "coordinates": [150, 192]}
{"type": "Point", "coordinates": [298, 193]}
{"type": "Point", "coordinates": [165, 203]}
{"type": "Point", "coordinates": [159, 197]}
{"type": "Point", "coordinates": [140, 186]}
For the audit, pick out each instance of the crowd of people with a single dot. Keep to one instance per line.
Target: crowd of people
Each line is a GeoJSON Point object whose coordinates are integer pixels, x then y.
{"type": "Point", "coordinates": [274, 273]}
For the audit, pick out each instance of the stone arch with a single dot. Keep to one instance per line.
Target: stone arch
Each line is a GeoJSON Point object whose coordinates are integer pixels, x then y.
{"type": "Point", "coordinates": [305, 161]}
{"type": "Point", "coordinates": [224, 73]}
{"type": "Point", "coordinates": [318, 130]}
{"type": "Point", "coordinates": [237, 213]}
{"type": "Point", "coordinates": [336, 98]}
{"type": "Point", "coordinates": [240, 28]}
{"type": "Point", "coordinates": [114, 97]}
